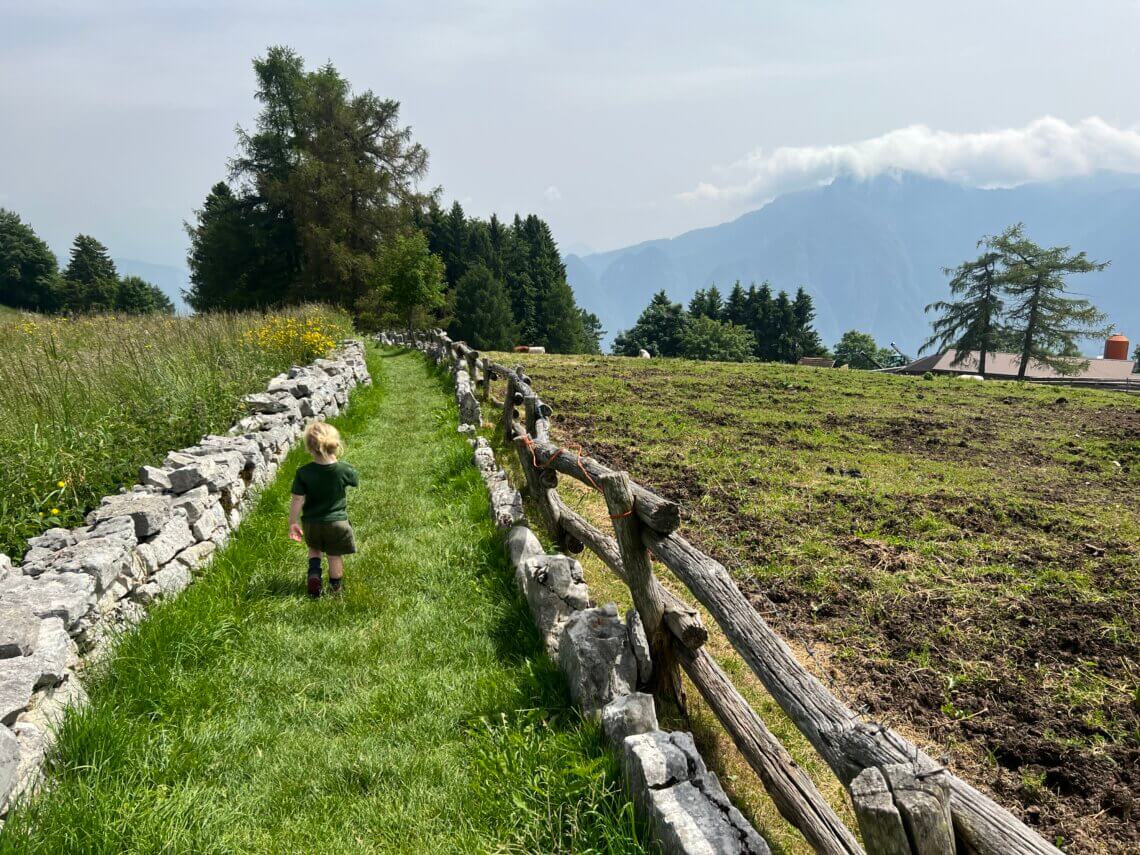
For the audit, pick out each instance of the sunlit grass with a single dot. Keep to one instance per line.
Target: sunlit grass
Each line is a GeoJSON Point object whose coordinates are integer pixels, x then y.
{"type": "Point", "coordinates": [416, 714]}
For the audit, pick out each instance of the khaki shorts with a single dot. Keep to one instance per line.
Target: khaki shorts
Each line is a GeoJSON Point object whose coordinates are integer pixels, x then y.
{"type": "Point", "coordinates": [331, 538]}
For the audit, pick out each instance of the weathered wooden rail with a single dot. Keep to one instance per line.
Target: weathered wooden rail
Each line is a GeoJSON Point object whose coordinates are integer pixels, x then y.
{"type": "Point", "coordinates": [905, 802]}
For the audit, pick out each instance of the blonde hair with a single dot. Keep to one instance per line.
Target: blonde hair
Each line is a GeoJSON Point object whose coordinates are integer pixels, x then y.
{"type": "Point", "coordinates": [323, 440]}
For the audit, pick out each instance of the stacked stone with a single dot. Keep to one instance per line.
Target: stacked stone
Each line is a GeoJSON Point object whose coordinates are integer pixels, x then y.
{"type": "Point", "coordinates": [73, 587]}
{"type": "Point", "coordinates": [606, 660]}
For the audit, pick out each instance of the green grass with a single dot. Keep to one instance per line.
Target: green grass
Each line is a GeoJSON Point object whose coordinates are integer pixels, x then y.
{"type": "Point", "coordinates": [965, 557]}
{"type": "Point", "coordinates": [416, 714]}
{"type": "Point", "coordinates": [87, 401]}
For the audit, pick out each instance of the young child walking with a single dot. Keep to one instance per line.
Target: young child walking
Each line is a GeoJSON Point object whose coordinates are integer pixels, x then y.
{"type": "Point", "coordinates": [318, 514]}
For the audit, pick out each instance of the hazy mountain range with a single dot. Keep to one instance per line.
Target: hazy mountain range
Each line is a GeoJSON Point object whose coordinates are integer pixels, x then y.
{"type": "Point", "coordinates": [871, 252]}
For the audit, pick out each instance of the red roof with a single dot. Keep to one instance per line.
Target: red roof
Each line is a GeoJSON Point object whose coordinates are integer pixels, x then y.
{"type": "Point", "coordinates": [1006, 365]}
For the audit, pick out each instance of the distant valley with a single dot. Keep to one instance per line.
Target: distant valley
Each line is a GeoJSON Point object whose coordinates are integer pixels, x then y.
{"type": "Point", "coordinates": [871, 252]}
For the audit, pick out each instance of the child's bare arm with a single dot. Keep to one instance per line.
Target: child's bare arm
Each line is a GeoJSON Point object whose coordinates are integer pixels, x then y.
{"type": "Point", "coordinates": [295, 517]}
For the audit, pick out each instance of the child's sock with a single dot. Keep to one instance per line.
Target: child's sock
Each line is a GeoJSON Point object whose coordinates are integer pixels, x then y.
{"type": "Point", "coordinates": [335, 585]}
{"type": "Point", "coordinates": [314, 580]}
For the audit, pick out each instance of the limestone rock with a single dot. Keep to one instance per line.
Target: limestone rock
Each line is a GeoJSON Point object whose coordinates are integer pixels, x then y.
{"type": "Point", "coordinates": [18, 677]}
{"type": "Point", "coordinates": [9, 764]}
{"type": "Point", "coordinates": [555, 588]}
{"type": "Point", "coordinates": [595, 655]}
{"type": "Point", "coordinates": [173, 579]}
{"type": "Point", "coordinates": [522, 545]}
{"type": "Point", "coordinates": [174, 537]}
{"type": "Point", "coordinates": [209, 522]}
{"type": "Point", "coordinates": [148, 512]}
{"type": "Point", "coordinates": [33, 742]}
{"type": "Point", "coordinates": [196, 555]}
{"type": "Point", "coordinates": [55, 652]}
{"type": "Point", "coordinates": [65, 595]}
{"type": "Point", "coordinates": [187, 476]}
{"type": "Point", "coordinates": [628, 715]}
{"type": "Point", "coordinates": [152, 476]}
{"type": "Point", "coordinates": [19, 630]}
{"type": "Point", "coordinates": [271, 402]}
{"type": "Point", "coordinates": [682, 800]}
{"type": "Point", "coordinates": [116, 528]}
{"type": "Point", "coordinates": [53, 540]}
{"type": "Point", "coordinates": [640, 644]}
{"type": "Point", "coordinates": [103, 559]}
{"type": "Point", "coordinates": [194, 502]}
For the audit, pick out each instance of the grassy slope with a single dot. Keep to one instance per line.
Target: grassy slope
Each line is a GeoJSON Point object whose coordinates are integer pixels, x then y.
{"type": "Point", "coordinates": [416, 714]}
{"type": "Point", "coordinates": [963, 556]}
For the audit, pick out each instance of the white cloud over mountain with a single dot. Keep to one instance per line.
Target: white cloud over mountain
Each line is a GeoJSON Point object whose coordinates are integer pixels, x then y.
{"type": "Point", "coordinates": [1045, 149]}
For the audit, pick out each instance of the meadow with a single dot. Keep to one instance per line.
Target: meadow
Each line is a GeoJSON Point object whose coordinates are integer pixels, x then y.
{"type": "Point", "coordinates": [87, 401]}
{"type": "Point", "coordinates": [961, 559]}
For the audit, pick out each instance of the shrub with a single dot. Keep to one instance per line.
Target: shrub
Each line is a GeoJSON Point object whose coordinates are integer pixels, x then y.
{"type": "Point", "coordinates": [88, 401]}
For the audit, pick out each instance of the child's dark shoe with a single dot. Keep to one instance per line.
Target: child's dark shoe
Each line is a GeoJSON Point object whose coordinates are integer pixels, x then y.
{"type": "Point", "coordinates": [336, 587]}
{"type": "Point", "coordinates": [314, 584]}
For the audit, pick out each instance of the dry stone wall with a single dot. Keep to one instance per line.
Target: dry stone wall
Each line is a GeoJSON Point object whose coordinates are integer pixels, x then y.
{"type": "Point", "coordinates": [61, 603]}
{"type": "Point", "coordinates": [605, 658]}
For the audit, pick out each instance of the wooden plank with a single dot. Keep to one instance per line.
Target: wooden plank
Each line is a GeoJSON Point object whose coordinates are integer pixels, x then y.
{"type": "Point", "coordinates": [643, 586]}
{"type": "Point", "coordinates": [847, 745]}
{"type": "Point", "coordinates": [659, 514]}
{"type": "Point", "coordinates": [792, 791]}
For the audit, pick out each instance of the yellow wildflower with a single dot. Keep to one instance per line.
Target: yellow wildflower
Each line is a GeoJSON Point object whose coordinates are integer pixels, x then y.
{"type": "Point", "coordinates": [55, 512]}
{"type": "Point", "coordinates": [61, 484]}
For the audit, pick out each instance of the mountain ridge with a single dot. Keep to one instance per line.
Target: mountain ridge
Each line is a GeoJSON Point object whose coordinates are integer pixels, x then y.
{"type": "Point", "coordinates": [871, 252]}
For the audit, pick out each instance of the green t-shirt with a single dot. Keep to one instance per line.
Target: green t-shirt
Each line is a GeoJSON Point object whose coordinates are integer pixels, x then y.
{"type": "Point", "coordinates": [324, 487]}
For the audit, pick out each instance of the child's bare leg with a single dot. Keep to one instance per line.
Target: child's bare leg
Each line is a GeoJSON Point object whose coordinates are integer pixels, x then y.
{"type": "Point", "coordinates": [336, 567]}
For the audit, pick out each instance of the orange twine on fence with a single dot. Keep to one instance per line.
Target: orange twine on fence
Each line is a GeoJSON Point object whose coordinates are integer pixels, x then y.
{"type": "Point", "coordinates": [577, 448]}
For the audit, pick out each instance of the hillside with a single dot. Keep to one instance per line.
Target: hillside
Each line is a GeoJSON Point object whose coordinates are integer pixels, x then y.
{"type": "Point", "coordinates": [871, 252]}
{"type": "Point", "coordinates": [963, 557]}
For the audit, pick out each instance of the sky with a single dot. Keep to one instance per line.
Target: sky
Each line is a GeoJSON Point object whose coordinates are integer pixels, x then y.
{"type": "Point", "coordinates": [616, 122]}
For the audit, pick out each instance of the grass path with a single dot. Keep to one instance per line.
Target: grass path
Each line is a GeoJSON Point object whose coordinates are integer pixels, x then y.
{"type": "Point", "coordinates": [417, 714]}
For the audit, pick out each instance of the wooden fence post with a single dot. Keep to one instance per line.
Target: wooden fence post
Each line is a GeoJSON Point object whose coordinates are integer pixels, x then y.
{"type": "Point", "coordinates": [509, 411]}
{"type": "Point", "coordinates": [903, 813]}
{"type": "Point", "coordinates": [486, 379]}
{"type": "Point", "coordinates": [647, 592]}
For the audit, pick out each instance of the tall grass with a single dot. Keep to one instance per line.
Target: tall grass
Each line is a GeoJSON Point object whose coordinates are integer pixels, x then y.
{"type": "Point", "coordinates": [87, 401]}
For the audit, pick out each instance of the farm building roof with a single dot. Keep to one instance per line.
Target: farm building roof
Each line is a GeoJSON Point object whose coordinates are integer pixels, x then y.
{"type": "Point", "coordinates": [1006, 365]}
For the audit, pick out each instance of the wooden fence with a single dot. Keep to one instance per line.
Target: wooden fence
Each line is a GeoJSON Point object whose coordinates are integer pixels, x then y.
{"type": "Point", "coordinates": [905, 802]}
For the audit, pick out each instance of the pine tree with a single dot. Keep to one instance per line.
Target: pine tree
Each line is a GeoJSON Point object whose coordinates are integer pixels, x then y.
{"type": "Point", "coordinates": [973, 322]}
{"type": "Point", "coordinates": [658, 330]}
{"type": "Point", "coordinates": [28, 268]}
{"type": "Point", "coordinates": [483, 311]}
{"type": "Point", "coordinates": [136, 296]}
{"type": "Point", "coordinates": [807, 340]}
{"type": "Point", "coordinates": [760, 321]}
{"type": "Point", "coordinates": [90, 277]}
{"type": "Point", "coordinates": [232, 259]}
{"type": "Point", "coordinates": [783, 329]}
{"type": "Point", "coordinates": [1050, 322]}
{"type": "Point", "coordinates": [736, 308]}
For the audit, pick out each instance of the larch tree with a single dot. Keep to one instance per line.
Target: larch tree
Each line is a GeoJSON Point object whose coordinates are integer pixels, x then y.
{"type": "Point", "coordinates": [972, 322]}
{"type": "Point", "coordinates": [1050, 322]}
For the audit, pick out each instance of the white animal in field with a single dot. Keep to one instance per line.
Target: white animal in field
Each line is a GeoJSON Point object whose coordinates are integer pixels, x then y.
{"type": "Point", "coordinates": [643, 354]}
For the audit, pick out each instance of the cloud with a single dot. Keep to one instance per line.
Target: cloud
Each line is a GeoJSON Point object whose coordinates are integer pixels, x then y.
{"type": "Point", "coordinates": [552, 194]}
{"type": "Point", "coordinates": [1045, 149]}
